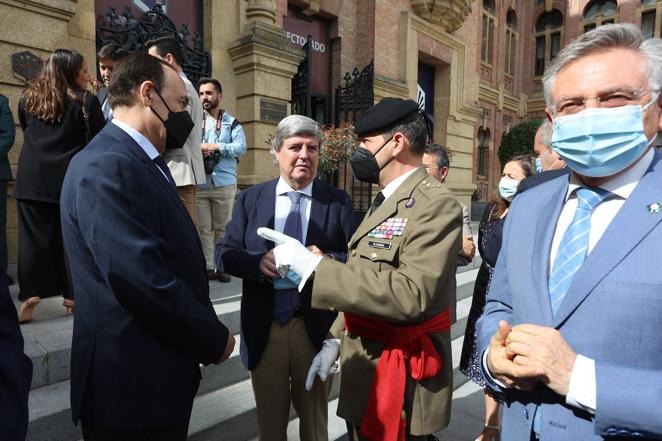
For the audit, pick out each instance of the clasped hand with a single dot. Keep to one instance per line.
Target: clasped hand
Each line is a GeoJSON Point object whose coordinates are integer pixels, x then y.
{"type": "Point", "coordinates": [289, 255]}
{"type": "Point", "coordinates": [526, 354]}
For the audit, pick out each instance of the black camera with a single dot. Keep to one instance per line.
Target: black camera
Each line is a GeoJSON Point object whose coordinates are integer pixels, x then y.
{"type": "Point", "coordinates": [211, 160]}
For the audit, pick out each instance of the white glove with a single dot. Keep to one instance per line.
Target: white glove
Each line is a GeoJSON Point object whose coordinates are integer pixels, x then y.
{"type": "Point", "coordinates": [325, 362]}
{"type": "Point", "coordinates": [291, 255]}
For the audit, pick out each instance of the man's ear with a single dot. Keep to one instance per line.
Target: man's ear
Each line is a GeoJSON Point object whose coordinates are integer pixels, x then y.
{"type": "Point", "coordinates": [399, 142]}
{"type": "Point", "coordinates": [145, 93]}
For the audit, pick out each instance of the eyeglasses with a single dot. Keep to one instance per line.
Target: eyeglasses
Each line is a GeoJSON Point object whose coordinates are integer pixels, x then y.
{"type": "Point", "coordinates": [611, 99]}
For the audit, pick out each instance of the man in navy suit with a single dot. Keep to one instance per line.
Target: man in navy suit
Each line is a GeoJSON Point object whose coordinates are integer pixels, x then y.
{"type": "Point", "coordinates": [571, 328]}
{"type": "Point", "coordinates": [280, 333]}
{"type": "Point", "coordinates": [143, 322]}
{"type": "Point", "coordinates": [15, 372]}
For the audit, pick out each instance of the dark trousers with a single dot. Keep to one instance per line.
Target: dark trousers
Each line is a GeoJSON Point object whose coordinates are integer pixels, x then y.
{"type": "Point", "coordinates": [42, 269]}
{"type": "Point", "coordinates": [3, 228]}
{"type": "Point", "coordinates": [96, 433]}
{"type": "Point", "coordinates": [354, 434]}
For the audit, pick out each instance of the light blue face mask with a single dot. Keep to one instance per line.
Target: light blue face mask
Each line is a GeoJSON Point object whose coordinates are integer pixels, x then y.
{"type": "Point", "coordinates": [508, 188]}
{"type": "Point", "coordinates": [538, 165]}
{"type": "Point", "coordinates": [602, 141]}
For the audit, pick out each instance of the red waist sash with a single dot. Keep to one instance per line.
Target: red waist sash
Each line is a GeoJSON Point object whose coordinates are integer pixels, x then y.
{"type": "Point", "coordinates": [407, 344]}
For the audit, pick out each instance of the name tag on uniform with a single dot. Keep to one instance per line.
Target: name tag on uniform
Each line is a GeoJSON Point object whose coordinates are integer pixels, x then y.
{"type": "Point", "coordinates": [379, 245]}
{"type": "Point", "coordinates": [391, 227]}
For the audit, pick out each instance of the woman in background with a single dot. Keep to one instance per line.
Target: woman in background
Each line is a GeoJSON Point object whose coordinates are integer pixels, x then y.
{"type": "Point", "coordinates": [58, 118]}
{"type": "Point", "coordinates": [489, 245]}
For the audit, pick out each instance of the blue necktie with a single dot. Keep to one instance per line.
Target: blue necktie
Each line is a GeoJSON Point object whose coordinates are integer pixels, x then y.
{"type": "Point", "coordinates": [287, 295]}
{"type": "Point", "coordinates": [574, 245]}
{"type": "Point", "coordinates": [570, 257]}
{"type": "Point", "coordinates": [293, 221]}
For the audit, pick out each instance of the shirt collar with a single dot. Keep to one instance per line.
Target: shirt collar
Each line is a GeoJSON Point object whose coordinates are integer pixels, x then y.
{"type": "Point", "coordinates": [283, 188]}
{"type": "Point", "coordinates": [143, 142]}
{"type": "Point", "coordinates": [622, 185]}
{"type": "Point", "coordinates": [395, 183]}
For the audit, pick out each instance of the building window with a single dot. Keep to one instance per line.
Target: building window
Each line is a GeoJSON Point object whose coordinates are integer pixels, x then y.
{"type": "Point", "coordinates": [483, 148]}
{"type": "Point", "coordinates": [651, 18]}
{"type": "Point", "coordinates": [599, 12]}
{"type": "Point", "coordinates": [548, 39]}
{"type": "Point", "coordinates": [487, 42]}
{"type": "Point", "coordinates": [511, 42]}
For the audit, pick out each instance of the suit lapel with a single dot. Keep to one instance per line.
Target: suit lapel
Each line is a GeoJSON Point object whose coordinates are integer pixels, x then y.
{"type": "Point", "coordinates": [550, 208]}
{"type": "Point", "coordinates": [630, 226]}
{"type": "Point", "coordinates": [266, 210]}
{"type": "Point", "coordinates": [389, 206]}
{"type": "Point", "coordinates": [126, 140]}
{"type": "Point", "coordinates": [318, 214]}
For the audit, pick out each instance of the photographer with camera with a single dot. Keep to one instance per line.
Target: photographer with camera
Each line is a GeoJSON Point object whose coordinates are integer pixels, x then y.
{"type": "Point", "coordinates": [223, 141]}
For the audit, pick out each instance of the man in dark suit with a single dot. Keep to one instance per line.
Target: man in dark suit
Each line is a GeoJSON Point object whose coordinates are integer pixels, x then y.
{"type": "Point", "coordinates": [15, 373]}
{"type": "Point", "coordinates": [108, 56]}
{"type": "Point", "coordinates": [280, 333]}
{"type": "Point", "coordinates": [7, 134]}
{"type": "Point", "coordinates": [143, 321]}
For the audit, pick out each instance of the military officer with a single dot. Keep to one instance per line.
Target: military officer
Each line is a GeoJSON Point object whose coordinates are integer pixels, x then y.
{"type": "Point", "coordinates": [394, 289]}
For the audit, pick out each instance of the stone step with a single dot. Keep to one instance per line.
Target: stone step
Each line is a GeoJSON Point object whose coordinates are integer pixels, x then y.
{"type": "Point", "coordinates": [224, 404]}
{"type": "Point", "coordinates": [48, 342]}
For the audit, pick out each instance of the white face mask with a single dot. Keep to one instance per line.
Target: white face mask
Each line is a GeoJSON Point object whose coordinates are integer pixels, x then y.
{"type": "Point", "coordinates": [508, 188]}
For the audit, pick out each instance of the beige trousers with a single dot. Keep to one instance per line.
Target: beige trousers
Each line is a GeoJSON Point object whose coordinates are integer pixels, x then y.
{"type": "Point", "coordinates": [214, 209]}
{"type": "Point", "coordinates": [280, 378]}
{"type": "Point", "coordinates": [187, 195]}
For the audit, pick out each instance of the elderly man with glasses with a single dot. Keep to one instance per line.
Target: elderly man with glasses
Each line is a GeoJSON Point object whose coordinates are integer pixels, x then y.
{"type": "Point", "coordinates": [570, 332]}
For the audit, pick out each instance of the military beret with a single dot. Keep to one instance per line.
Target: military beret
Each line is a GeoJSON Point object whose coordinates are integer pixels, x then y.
{"type": "Point", "coordinates": [383, 114]}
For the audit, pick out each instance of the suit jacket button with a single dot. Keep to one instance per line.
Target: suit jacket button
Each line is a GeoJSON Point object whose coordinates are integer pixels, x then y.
{"type": "Point", "coordinates": [353, 252]}
{"type": "Point", "coordinates": [373, 255]}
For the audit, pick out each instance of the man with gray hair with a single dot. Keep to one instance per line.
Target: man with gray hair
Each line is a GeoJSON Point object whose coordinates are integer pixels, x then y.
{"type": "Point", "coordinates": [547, 161]}
{"type": "Point", "coordinates": [570, 332]}
{"type": "Point", "coordinates": [280, 333]}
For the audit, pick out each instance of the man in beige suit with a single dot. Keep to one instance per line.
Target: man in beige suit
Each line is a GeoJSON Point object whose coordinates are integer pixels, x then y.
{"type": "Point", "coordinates": [185, 163]}
{"type": "Point", "coordinates": [395, 288]}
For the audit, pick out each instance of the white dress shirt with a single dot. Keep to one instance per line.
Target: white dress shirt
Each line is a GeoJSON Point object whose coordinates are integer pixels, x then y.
{"type": "Point", "coordinates": [395, 183]}
{"type": "Point", "coordinates": [283, 205]}
{"type": "Point", "coordinates": [140, 139]}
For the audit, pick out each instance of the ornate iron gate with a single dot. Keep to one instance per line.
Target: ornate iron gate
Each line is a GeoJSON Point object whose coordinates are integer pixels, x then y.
{"type": "Point", "coordinates": [301, 84]}
{"type": "Point", "coordinates": [352, 100]}
{"type": "Point", "coordinates": [132, 34]}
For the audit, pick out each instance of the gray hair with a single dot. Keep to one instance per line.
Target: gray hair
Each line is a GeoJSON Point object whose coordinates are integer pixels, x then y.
{"type": "Point", "coordinates": [545, 131]}
{"type": "Point", "coordinates": [609, 36]}
{"type": "Point", "coordinates": [295, 125]}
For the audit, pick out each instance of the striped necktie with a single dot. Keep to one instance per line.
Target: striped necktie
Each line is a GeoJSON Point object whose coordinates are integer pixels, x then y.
{"type": "Point", "coordinates": [574, 245]}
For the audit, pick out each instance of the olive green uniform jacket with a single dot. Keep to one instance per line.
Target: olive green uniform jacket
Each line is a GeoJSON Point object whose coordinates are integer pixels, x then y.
{"type": "Point", "coordinates": [404, 280]}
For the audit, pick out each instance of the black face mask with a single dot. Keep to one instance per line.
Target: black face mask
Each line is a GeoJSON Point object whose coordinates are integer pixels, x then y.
{"type": "Point", "coordinates": [178, 126]}
{"type": "Point", "coordinates": [365, 166]}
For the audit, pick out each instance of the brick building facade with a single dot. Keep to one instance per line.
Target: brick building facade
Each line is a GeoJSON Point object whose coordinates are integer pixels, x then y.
{"type": "Point", "coordinates": [474, 64]}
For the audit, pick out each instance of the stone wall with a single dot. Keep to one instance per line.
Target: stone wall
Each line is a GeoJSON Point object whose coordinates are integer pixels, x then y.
{"type": "Point", "coordinates": [38, 26]}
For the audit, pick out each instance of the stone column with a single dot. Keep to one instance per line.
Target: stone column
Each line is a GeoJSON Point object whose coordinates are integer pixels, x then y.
{"type": "Point", "coordinates": [264, 64]}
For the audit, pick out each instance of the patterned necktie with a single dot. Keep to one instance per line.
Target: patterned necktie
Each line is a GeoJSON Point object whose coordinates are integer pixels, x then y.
{"type": "Point", "coordinates": [293, 224]}
{"type": "Point", "coordinates": [377, 202]}
{"type": "Point", "coordinates": [570, 257]}
{"type": "Point", "coordinates": [160, 163]}
{"type": "Point", "coordinates": [287, 297]}
{"type": "Point", "coordinates": [574, 244]}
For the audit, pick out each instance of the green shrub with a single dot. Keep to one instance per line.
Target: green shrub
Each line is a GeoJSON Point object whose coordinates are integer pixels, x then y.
{"type": "Point", "coordinates": [519, 141]}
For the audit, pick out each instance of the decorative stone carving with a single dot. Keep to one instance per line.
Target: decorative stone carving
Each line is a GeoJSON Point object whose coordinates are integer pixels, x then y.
{"type": "Point", "coordinates": [261, 10]}
{"type": "Point", "coordinates": [450, 14]}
